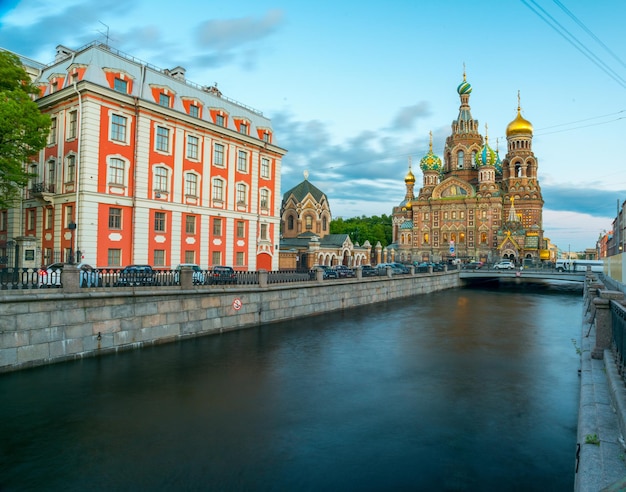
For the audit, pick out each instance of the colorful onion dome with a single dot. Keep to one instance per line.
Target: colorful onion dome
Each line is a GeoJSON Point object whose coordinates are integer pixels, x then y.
{"type": "Point", "coordinates": [520, 125]}
{"type": "Point", "coordinates": [430, 162]}
{"type": "Point", "coordinates": [486, 156]}
{"type": "Point", "coordinates": [464, 87]}
{"type": "Point", "coordinates": [498, 163]}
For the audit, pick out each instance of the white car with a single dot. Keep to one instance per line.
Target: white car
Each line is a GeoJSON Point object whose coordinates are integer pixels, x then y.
{"type": "Point", "coordinates": [199, 278]}
{"type": "Point", "coordinates": [504, 265]}
{"type": "Point", "coordinates": [50, 276]}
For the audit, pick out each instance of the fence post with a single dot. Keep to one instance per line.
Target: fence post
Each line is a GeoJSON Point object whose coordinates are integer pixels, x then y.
{"type": "Point", "coordinates": [70, 278]}
{"type": "Point", "coordinates": [604, 335]}
{"type": "Point", "coordinates": [263, 275]}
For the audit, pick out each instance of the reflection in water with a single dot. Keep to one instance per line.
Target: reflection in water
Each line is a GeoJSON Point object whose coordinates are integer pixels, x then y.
{"type": "Point", "coordinates": [457, 390]}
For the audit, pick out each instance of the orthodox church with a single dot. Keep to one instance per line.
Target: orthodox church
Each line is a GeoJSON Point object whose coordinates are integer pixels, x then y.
{"type": "Point", "coordinates": [473, 206]}
{"type": "Point", "coordinates": [305, 239]}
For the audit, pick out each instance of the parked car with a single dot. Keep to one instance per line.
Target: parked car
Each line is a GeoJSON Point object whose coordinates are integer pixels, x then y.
{"type": "Point", "coordinates": [328, 272]}
{"type": "Point", "coordinates": [220, 274]}
{"type": "Point", "coordinates": [344, 272]}
{"type": "Point", "coordinates": [400, 268]}
{"type": "Point", "coordinates": [198, 275]}
{"type": "Point", "coordinates": [504, 265]}
{"type": "Point", "coordinates": [50, 276]}
{"type": "Point", "coordinates": [136, 275]}
{"type": "Point", "coordinates": [368, 271]}
{"type": "Point", "coordinates": [473, 265]}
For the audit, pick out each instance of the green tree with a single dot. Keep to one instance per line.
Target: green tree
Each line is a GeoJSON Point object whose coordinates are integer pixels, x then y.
{"type": "Point", "coordinates": [23, 128]}
{"type": "Point", "coordinates": [361, 229]}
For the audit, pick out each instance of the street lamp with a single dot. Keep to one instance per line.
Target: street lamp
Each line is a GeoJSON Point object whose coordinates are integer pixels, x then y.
{"type": "Point", "coordinates": [71, 226]}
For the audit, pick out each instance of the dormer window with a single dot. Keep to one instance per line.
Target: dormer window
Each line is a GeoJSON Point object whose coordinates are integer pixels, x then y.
{"type": "Point", "coordinates": [164, 100]}
{"type": "Point", "coordinates": [194, 111]}
{"type": "Point", "coordinates": [120, 85]}
{"type": "Point", "coordinates": [243, 128]}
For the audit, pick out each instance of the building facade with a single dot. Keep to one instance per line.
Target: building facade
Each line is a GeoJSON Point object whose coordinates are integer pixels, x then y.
{"type": "Point", "coordinates": [473, 205]}
{"type": "Point", "coordinates": [305, 232]}
{"type": "Point", "coordinates": [144, 166]}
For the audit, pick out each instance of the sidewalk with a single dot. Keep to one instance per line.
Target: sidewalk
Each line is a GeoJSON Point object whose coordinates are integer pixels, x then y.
{"type": "Point", "coordinates": [600, 467]}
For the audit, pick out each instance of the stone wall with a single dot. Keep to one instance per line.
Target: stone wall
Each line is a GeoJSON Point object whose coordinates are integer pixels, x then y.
{"type": "Point", "coordinates": [46, 326]}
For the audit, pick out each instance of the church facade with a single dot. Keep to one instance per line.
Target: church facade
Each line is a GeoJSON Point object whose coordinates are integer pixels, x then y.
{"type": "Point", "coordinates": [472, 205]}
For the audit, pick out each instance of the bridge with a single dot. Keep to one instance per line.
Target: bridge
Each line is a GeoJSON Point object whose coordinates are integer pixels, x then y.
{"type": "Point", "coordinates": [524, 275]}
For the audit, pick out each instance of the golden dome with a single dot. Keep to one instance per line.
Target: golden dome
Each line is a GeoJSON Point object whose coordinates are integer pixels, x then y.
{"type": "Point", "coordinates": [409, 178]}
{"type": "Point", "coordinates": [519, 126]}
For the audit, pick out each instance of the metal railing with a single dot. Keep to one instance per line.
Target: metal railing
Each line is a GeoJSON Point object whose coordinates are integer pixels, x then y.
{"type": "Point", "coordinates": [107, 278]}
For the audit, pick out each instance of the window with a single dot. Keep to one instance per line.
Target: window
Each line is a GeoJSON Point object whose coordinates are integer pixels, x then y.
{"type": "Point", "coordinates": [190, 256]}
{"type": "Point", "coordinates": [190, 226]}
{"type": "Point", "coordinates": [219, 120]}
{"type": "Point", "coordinates": [159, 221]}
{"type": "Point", "coordinates": [483, 238]}
{"type": "Point", "coordinates": [191, 184]}
{"type": "Point", "coordinates": [192, 147]}
{"type": "Point", "coordinates": [30, 218]}
{"type": "Point", "coordinates": [241, 229]}
{"type": "Point", "coordinates": [264, 232]}
{"type": "Point", "coordinates": [116, 171]}
{"type": "Point", "coordinates": [118, 128]}
{"type": "Point", "coordinates": [290, 222]}
{"type": "Point", "coordinates": [217, 227]}
{"type": "Point", "coordinates": [51, 175]}
{"type": "Point", "coordinates": [114, 257]}
{"type": "Point", "coordinates": [459, 159]}
{"type": "Point", "coordinates": [242, 161]}
{"type": "Point", "coordinates": [308, 220]}
{"type": "Point", "coordinates": [240, 261]}
{"type": "Point", "coordinates": [243, 128]}
{"type": "Point", "coordinates": [195, 112]}
{"type": "Point", "coordinates": [426, 238]}
{"type": "Point", "coordinates": [241, 194]}
{"type": "Point", "coordinates": [115, 218]}
{"type": "Point", "coordinates": [216, 258]}
{"type": "Point", "coordinates": [120, 85]}
{"type": "Point", "coordinates": [266, 137]}
{"type": "Point", "coordinates": [69, 216]}
{"type": "Point", "coordinates": [164, 100]}
{"type": "Point", "coordinates": [52, 136]}
{"type": "Point", "coordinates": [218, 155]}
{"type": "Point", "coordinates": [265, 168]}
{"type": "Point", "coordinates": [324, 223]}
{"type": "Point", "coordinates": [159, 257]}
{"type": "Point", "coordinates": [218, 190]}
{"type": "Point", "coordinates": [265, 199]}
{"type": "Point", "coordinates": [461, 237]}
{"type": "Point", "coordinates": [71, 124]}
{"type": "Point", "coordinates": [163, 139]}
{"type": "Point", "coordinates": [160, 179]}
{"type": "Point", "coordinates": [70, 173]}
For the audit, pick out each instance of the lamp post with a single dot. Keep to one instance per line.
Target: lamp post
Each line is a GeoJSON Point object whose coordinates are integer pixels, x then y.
{"type": "Point", "coordinates": [72, 227]}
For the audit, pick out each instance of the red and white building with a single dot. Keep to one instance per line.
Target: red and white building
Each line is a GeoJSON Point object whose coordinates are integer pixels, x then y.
{"type": "Point", "coordinates": [143, 166]}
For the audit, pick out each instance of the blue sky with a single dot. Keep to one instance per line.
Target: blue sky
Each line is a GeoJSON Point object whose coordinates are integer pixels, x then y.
{"type": "Point", "coordinates": [354, 88]}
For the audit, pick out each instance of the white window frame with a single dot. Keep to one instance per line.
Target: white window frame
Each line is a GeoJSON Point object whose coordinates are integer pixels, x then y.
{"type": "Point", "coordinates": [162, 139]}
{"type": "Point", "coordinates": [191, 184]}
{"type": "Point", "coordinates": [242, 161]}
{"type": "Point", "coordinates": [265, 168]}
{"type": "Point", "coordinates": [193, 147]}
{"type": "Point", "coordinates": [115, 126]}
{"type": "Point", "coordinates": [161, 179]}
{"type": "Point", "coordinates": [218, 189]}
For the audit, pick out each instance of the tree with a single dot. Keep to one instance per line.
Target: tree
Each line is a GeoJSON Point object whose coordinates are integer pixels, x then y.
{"type": "Point", "coordinates": [23, 128]}
{"type": "Point", "coordinates": [361, 229]}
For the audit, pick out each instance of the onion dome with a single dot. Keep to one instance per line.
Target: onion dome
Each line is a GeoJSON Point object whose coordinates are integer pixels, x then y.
{"type": "Point", "coordinates": [498, 163]}
{"type": "Point", "coordinates": [464, 87]}
{"type": "Point", "coordinates": [486, 156]}
{"type": "Point", "coordinates": [407, 224]}
{"type": "Point", "coordinates": [430, 162]}
{"type": "Point", "coordinates": [520, 125]}
{"type": "Point", "coordinates": [409, 178]}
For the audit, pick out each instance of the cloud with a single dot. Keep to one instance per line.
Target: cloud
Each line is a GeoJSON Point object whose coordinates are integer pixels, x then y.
{"type": "Point", "coordinates": [596, 202]}
{"type": "Point", "coordinates": [230, 34]}
{"type": "Point", "coordinates": [406, 117]}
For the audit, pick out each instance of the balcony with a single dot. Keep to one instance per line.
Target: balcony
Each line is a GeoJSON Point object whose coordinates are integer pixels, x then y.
{"type": "Point", "coordinates": [42, 191]}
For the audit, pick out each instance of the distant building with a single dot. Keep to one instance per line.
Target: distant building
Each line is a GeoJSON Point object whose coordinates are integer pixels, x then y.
{"type": "Point", "coordinates": [305, 232]}
{"type": "Point", "coordinates": [143, 166]}
{"type": "Point", "coordinates": [473, 205]}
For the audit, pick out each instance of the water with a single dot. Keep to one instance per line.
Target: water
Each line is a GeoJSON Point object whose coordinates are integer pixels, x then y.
{"type": "Point", "coordinates": [457, 390]}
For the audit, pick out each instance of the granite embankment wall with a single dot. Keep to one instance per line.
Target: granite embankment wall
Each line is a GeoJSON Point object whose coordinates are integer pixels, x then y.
{"type": "Point", "coordinates": [53, 325]}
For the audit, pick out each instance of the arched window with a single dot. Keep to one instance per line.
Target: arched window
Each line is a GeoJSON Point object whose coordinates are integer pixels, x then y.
{"type": "Point", "coordinates": [426, 238]}
{"type": "Point", "coordinates": [324, 223]}
{"type": "Point", "coordinates": [459, 159]}
{"type": "Point", "coordinates": [290, 222]}
{"type": "Point", "coordinates": [483, 238]}
{"type": "Point", "coordinates": [308, 221]}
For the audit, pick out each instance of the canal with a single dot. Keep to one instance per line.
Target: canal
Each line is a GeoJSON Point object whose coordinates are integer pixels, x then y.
{"type": "Point", "coordinates": [466, 389]}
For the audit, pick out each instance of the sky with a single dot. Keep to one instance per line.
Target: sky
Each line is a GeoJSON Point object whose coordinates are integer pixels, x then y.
{"type": "Point", "coordinates": [353, 88]}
